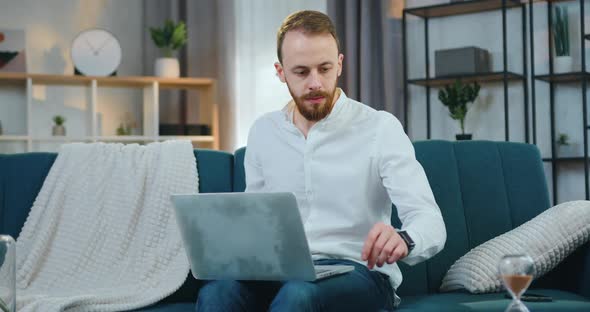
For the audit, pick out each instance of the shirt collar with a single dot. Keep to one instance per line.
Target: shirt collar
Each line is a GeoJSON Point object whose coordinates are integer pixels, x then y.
{"type": "Point", "coordinates": [337, 109]}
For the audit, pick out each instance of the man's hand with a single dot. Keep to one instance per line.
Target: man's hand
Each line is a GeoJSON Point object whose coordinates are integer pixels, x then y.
{"type": "Point", "coordinates": [383, 244]}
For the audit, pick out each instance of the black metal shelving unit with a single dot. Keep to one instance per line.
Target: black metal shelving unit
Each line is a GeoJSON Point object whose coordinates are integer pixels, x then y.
{"type": "Point", "coordinates": [504, 76]}
{"type": "Point", "coordinates": [552, 79]}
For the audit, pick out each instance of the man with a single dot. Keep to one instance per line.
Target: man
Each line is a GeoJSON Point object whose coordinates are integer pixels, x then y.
{"type": "Point", "coordinates": [346, 163]}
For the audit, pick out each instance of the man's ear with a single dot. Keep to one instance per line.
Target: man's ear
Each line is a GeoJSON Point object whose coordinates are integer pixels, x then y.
{"type": "Point", "coordinates": [340, 59]}
{"type": "Point", "coordinates": [280, 71]}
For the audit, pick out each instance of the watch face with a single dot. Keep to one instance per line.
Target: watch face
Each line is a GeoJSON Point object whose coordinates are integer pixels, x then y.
{"type": "Point", "coordinates": [96, 52]}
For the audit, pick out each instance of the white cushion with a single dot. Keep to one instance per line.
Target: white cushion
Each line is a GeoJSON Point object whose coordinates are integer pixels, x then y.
{"type": "Point", "coordinates": [548, 239]}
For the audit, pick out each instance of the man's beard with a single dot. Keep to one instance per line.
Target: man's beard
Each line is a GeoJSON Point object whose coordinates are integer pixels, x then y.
{"type": "Point", "coordinates": [317, 111]}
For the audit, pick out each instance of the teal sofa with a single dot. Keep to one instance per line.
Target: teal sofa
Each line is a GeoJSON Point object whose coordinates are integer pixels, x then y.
{"type": "Point", "coordinates": [483, 189]}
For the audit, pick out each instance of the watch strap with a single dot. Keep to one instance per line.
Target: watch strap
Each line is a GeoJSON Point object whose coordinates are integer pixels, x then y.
{"type": "Point", "coordinates": [407, 239]}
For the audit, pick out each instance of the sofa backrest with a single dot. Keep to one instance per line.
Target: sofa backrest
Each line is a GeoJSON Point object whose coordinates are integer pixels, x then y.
{"type": "Point", "coordinates": [22, 175]}
{"type": "Point", "coordinates": [21, 178]}
{"type": "Point", "coordinates": [483, 189]}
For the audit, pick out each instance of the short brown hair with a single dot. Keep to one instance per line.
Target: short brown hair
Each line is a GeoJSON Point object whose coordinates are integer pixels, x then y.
{"type": "Point", "coordinates": [310, 22]}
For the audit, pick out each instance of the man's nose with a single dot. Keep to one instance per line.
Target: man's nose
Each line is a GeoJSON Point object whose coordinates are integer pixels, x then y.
{"type": "Point", "coordinates": [314, 81]}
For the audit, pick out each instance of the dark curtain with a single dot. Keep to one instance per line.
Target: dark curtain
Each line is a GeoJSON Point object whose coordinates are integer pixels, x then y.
{"type": "Point", "coordinates": [208, 53]}
{"type": "Point", "coordinates": [371, 42]}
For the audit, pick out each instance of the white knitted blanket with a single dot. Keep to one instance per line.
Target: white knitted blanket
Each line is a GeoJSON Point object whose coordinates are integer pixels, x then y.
{"type": "Point", "coordinates": [101, 235]}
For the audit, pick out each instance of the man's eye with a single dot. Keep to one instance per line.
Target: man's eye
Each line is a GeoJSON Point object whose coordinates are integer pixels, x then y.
{"type": "Point", "coordinates": [299, 73]}
{"type": "Point", "coordinates": [324, 70]}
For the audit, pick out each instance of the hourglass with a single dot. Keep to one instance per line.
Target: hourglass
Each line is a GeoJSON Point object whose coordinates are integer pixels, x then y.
{"type": "Point", "coordinates": [516, 272]}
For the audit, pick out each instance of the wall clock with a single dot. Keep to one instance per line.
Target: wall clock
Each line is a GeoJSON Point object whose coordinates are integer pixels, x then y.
{"type": "Point", "coordinates": [96, 52]}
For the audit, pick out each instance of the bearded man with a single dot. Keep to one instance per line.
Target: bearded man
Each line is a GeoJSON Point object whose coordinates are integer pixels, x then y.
{"type": "Point", "coordinates": [346, 163]}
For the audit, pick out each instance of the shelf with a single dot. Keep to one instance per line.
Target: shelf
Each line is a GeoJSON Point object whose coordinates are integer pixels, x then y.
{"type": "Point", "coordinates": [63, 139]}
{"type": "Point", "coordinates": [124, 138]}
{"type": "Point", "coordinates": [13, 137]}
{"type": "Point", "coordinates": [458, 8]}
{"type": "Point", "coordinates": [192, 138]}
{"type": "Point", "coordinates": [564, 77]}
{"type": "Point", "coordinates": [563, 159]}
{"type": "Point", "coordinates": [114, 138]}
{"type": "Point", "coordinates": [481, 78]}
{"type": "Point", "coordinates": [117, 82]}
{"type": "Point", "coordinates": [151, 91]}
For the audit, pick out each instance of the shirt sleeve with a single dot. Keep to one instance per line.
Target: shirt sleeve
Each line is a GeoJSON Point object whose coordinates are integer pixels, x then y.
{"type": "Point", "coordinates": [405, 181]}
{"type": "Point", "coordinates": [252, 166]}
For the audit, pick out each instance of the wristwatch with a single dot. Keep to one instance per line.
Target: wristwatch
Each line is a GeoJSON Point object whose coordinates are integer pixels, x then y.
{"type": "Point", "coordinates": [407, 239]}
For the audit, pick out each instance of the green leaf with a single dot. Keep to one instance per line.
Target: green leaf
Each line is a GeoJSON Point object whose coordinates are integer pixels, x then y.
{"type": "Point", "coordinates": [158, 37]}
{"type": "Point", "coordinates": [560, 31]}
{"type": "Point", "coordinates": [170, 36]}
{"type": "Point", "coordinates": [179, 36]}
{"type": "Point", "coordinates": [59, 120]}
{"type": "Point", "coordinates": [456, 96]}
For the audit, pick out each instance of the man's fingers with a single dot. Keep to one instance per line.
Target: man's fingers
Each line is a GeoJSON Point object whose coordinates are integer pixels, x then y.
{"type": "Point", "coordinates": [399, 252]}
{"type": "Point", "coordinates": [387, 251]}
{"type": "Point", "coordinates": [378, 247]}
{"type": "Point", "coordinates": [370, 241]}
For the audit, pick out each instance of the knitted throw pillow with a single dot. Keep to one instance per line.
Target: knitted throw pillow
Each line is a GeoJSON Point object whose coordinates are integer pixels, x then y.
{"type": "Point", "coordinates": [548, 238]}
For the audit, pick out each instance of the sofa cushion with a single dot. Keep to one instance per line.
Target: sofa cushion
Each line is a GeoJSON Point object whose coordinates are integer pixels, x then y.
{"type": "Point", "coordinates": [547, 238]}
{"type": "Point", "coordinates": [215, 170]}
{"type": "Point", "coordinates": [458, 301]}
{"type": "Point", "coordinates": [22, 176]}
{"type": "Point", "coordinates": [483, 189]}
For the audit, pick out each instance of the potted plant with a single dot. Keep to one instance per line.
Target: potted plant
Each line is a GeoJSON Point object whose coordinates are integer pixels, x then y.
{"type": "Point", "coordinates": [560, 30]}
{"type": "Point", "coordinates": [59, 128]}
{"type": "Point", "coordinates": [456, 97]}
{"type": "Point", "coordinates": [127, 125]}
{"type": "Point", "coordinates": [171, 37]}
{"type": "Point", "coordinates": [564, 147]}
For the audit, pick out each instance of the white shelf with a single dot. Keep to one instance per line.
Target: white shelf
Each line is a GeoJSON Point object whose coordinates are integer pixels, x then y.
{"type": "Point", "coordinates": [63, 139]}
{"type": "Point", "coordinates": [124, 138]}
{"type": "Point", "coordinates": [208, 114]}
{"type": "Point", "coordinates": [192, 138]}
{"type": "Point", "coordinates": [116, 138]}
{"type": "Point", "coordinates": [13, 137]}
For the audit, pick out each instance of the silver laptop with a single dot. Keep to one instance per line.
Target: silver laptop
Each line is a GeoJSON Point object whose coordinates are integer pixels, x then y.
{"type": "Point", "coordinates": [247, 236]}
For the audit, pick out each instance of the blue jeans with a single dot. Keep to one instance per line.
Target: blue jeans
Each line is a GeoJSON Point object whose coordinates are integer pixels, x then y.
{"type": "Point", "coordinates": [359, 290]}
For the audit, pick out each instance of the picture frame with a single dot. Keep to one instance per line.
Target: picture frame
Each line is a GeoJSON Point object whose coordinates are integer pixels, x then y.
{"type": "Point", "coordinates": [12, 50]}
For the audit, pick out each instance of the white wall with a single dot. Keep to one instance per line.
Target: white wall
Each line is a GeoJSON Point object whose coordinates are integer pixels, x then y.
{"type": "Point", "coordinates": [258, 90]}
{"type": "Point", "coordinates": [50, 29]}
{"type": "Point", "coordinates": [485, 119]}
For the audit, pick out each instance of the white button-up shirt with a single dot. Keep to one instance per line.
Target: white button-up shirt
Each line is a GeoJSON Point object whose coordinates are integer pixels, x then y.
{"type": "Point", "coordinates": [345, 176]}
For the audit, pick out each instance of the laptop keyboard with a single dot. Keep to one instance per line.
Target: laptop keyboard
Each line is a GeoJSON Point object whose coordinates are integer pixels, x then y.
{"type": "Point", "coordinates": [321, 270]}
